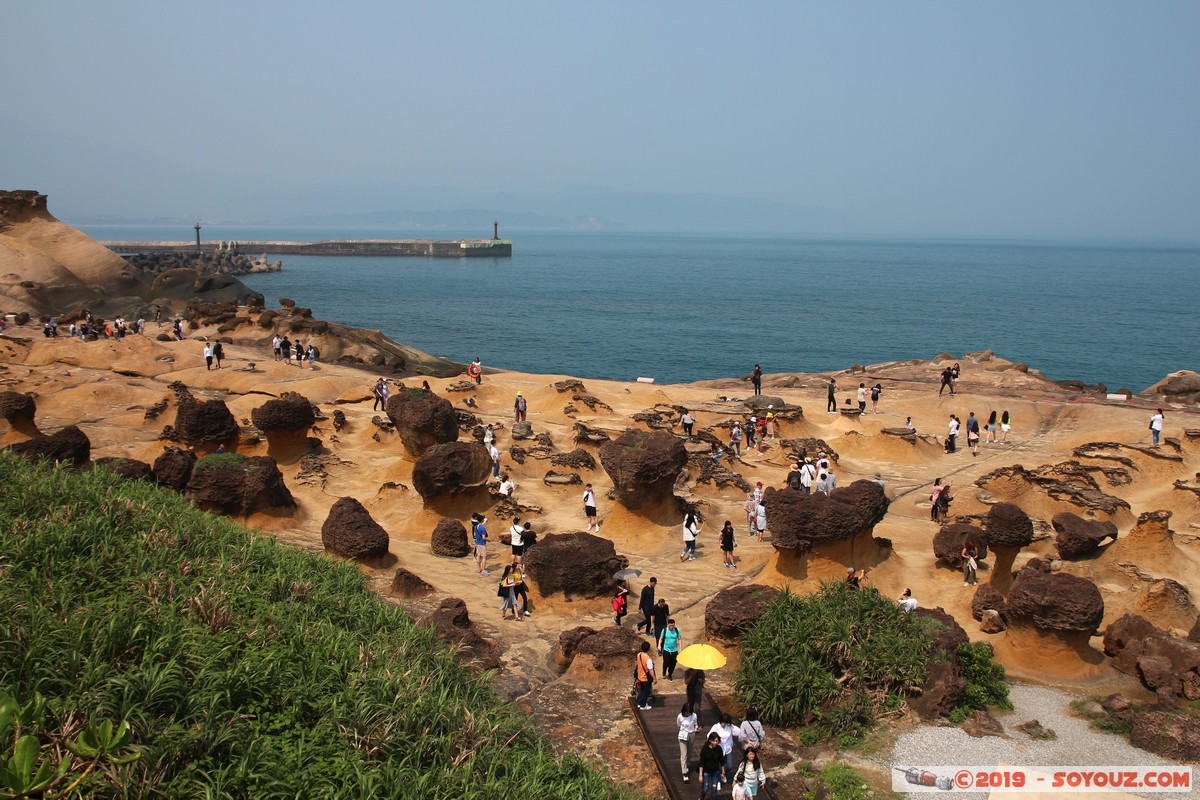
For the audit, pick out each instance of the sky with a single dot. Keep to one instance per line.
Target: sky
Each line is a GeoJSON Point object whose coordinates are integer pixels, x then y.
{"type": "Point", "coordinates": [1015, 119]}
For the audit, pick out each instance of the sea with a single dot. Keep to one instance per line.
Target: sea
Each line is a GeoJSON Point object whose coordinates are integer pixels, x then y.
{"type": "Point", "coordinates": [686, 307]}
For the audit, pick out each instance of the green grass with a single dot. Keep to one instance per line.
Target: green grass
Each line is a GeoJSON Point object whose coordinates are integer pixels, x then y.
{"type": "Point", "coordinates": [245, 669]}
{"type": "Point", "coordinates": [217, 460]}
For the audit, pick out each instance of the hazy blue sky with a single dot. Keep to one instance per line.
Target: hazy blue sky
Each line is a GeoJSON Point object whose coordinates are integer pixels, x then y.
{"type": "Point", "coordinates": [1060, 119]}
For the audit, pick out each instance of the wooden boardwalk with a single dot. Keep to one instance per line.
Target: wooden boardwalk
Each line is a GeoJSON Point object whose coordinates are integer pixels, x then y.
{"type": "Point", "coordinates": [660, 731]}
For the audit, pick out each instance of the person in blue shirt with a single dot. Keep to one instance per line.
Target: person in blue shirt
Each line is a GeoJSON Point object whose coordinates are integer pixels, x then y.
{"type": "Point", "coordinates": [481, 539]}
{"type": "Point", "coordinates": [669, 639]}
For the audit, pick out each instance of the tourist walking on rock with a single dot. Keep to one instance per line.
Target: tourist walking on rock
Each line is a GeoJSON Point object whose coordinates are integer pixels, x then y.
{"type": "Point", "coordinates": [808, 475]}
{"type": "Point", "coordinates": [973, 433]}
{"type": "Point", "coordinates": [494, 455]}
{"type": "Point", "coordinates": [691, 528]}
{"type": "Point", "coordinates": [208, 355]}
{"type": "Point", "coordinates": [620, 603]}
{"type": "Point", "coordinates": [831, 397]}
{"type": "Point", "coordinates": [751, 429]}
{"type": "Point", "coordinates": [507, 590]}
{"type": "Point", "coordinates": [760, 519]}
{"type": "Point", "coordinates": [687, 421]}
{"type": "Point", "coordinates": [520, 407]}
{"type": "Point", "coordinates": [934, 497]}
{"type": "Point", "coordinates": [753, 733]}
{"type": "Point", "coordinates": [178, 328]}
{"type": "Point", "coordinates": [715, 452]}
{"type": "Point", "coordinates": [521, 588]}
{"type": "Point", "coordinates": [646, 606]}
{"type": "Point", "coordinates": [275, 342]}
{"type": "Point", "coordinates": [952, 435]}
{"type": "Point", "coordinates": [876, 390]}
{"type": "Point", "coordinates": [756, 379]}
{"type": "Point", "coordinates": [644, 679]}
{"type": "Point", "coordinates": [954, 373]}
{"type": "Point", "coordinates": [726, 733]}
{"type": "Point", "coordinates": [1156, 426]}
{"type": "Point", "coordinates": [769, 424]}
{"type": "Point", "coordinates": [380, 392]}
{"type": "Point", "coordinates": [589, 508]}
{"type": "Point", "coordinates": [947, 382]}
{"type": "Point", "coordinates": [749, 507]}
{"type": "Point", "coordinates": [285, 350]}
{"type": "Point", "coordinates": [218, 353]}
{"type": "Point", "coordinates": [735, 438]}
{"type": "Point", "coordinates": [1005, 426]}
{"type": "Point", "coordinates": [712, 761]}
{"type": "Point", "coordinates": [475, 371]}
{"type": "Point", "coordinates": [990, 427]}
{"type": "Point", "coordinates": [693, 680]}
{"type": "Point", "coordinates": [727, 544]}
{"type": "Point", "coordinates": [862, 398]}
{"type": "Point", "coordinates": [515, 540]}
{"type": "Point", "coordinates": [310, 356]}
{"type": "Point", "coordinates": [687, 722]}
{"type": "Point", "coordinates": [489, 435]}
{"type": "Point", "coordinates": [969, 554]}
{"type": "Point", "coordinates": [669, 639]}
{"type": "Point", "coordinates": [662, 612]}
{"type": "Point", "coordinates": [478, 527]}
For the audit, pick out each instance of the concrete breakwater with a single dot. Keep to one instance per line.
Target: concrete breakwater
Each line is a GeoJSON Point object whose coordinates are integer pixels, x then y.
{"type": "Point", "coordinates": [437, 248]}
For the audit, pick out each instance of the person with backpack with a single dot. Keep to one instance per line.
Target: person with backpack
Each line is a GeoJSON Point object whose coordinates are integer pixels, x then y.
{"type": "Point", "coordinates": [735, 438]}
{"type": "Point", "coordinates": [520, 407]}
{"type": "Point", "coordinates": [218, 353]}
{"type": "Point", "coordinates": [381, 393]}
{"type": "Point", "coordinates": [644, 677]}
{"type": "Point", "coordinates": [669, 640]}
{"type": "Point", "coordinates": [620, 604]}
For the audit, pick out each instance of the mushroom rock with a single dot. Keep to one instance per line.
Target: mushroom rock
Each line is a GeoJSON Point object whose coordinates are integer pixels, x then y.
{"type": "Point", "coordinates": [1051, 618]}
{"type": "Point", "coordinates": [987, 597]}
{"type": "Point", "coordinates": [1077, 537]}
{"type": "Point", "coordinates": [350, 531]}
{"type": "Point", "coordinates": [812, 447]}
{"type": "Point", "coordinates": [285, 421]}
{"type": "Point", "coordinates": [1165, 601]}
{"type": "Point", "coordinates": [597, 657]}
{"type": "Point", "coordinates": [409, 586]}
{"type": "Point", "coordinates": [19, 410]}
{"type": "Point", "coordinates": [173, 468]}
{"type": "Point", "coordinates": [574, 565]}
{"type": "Point", "coordinates": [204, 422]}
{"type": "Point", "coordinates": [422, 419]}
{"type": "Point", "coordinates": [450, 539]}
{"type": "Point", "coordinates": [818, 536]}
{"type": "Point", "coordinates": [129, 468]}
{"type": "Point", "coordinates": [948, 543]}
{"type": "Point", "coordinates": [238, 486]}
{"type": "Point", "coordinates": [990, 621]}
{"type": "Point", "coordinates": [453, 625]}
{"type": "Point", "coordinates": [67, 446]}
{"type": "Point", "coordinates": [734, 611]}
{"type": "Point", "coordinates": [1008, 529]}
{"type": "Point", "coordinates": [643, 467]}
{"type": "Point", "coordinates": [451, 468]}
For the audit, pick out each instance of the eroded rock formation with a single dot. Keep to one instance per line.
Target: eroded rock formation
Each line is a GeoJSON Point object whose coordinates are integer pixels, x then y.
{"type": "Point", "coordinates": [350, 531]}
{"type": "Point", "coordinates": [451, 469]}
{"type": "Point", "coordinates": [643, 467]}
{"type": "Point", "coordinates": [573, 565]}
{"type": "Point", "coordinates": [422, 419]}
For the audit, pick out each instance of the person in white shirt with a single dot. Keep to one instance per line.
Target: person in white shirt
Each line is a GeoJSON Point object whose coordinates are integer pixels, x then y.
{"type": "Point", "coordinates": [589, 508]}
{"type": "Point", "coordinates": [506, 485]}
{"type": "Point", "coordinates": [517, 533]}
{"type": "Point", "coordinates": [208, 355]}
{"type": "Point", "coordinates": [1156, 426]}
{"type": "Point", "coordinates": [907, 602]}
{"type": "Point", "coordinates": [807, 473]}
{"type": "Point", "coordinates": [495, 456]}
{"type": "Point", "coordinates": [687, 722]}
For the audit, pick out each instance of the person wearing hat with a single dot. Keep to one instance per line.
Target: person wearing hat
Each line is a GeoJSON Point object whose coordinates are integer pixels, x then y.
{"type": "Point", "coordinates": [771, 423]}
{"type": "Point", "coordinates": [520, 407]}
{"type": "Point", "coordinates": [808, 473]}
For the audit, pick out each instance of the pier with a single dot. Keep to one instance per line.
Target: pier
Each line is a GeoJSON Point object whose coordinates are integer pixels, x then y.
{"type": "Point", "coordinates": [436, 248]}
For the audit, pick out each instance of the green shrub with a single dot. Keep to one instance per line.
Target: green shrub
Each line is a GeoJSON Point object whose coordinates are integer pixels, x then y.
{"type": "Point", "coordinates": [987, 684]}
{"type": "Point", "coordinates": [218, 460]}
{"type": "Point", "coordinates": [242, 668]}
{"type": "Point", "coordinates": [843, 783]}
{"type": "Point", "coordinates": [833, 660]}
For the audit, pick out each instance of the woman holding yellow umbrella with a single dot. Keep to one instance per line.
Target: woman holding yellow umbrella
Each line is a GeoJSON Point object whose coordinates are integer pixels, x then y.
{"type": "Point", "coordinates": [697, 658]}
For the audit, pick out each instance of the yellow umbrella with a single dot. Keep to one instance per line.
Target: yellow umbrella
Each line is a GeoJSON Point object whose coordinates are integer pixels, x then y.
{"type": "Point", "coordinates": [701, 656]}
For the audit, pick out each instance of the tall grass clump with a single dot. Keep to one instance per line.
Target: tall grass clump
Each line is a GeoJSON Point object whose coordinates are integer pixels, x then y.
{"type": "Point", "coordinates": [241, 668]}
{"type": "Point", "coordinates": [832, 661]}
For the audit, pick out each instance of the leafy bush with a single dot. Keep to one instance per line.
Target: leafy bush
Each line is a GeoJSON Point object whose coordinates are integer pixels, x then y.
{"type": "Point", "coordinates": [843, 783]}
{"type": "Point", "coordinates": [242, 668]}
{"type": "Point", "coordinates": [987, 683]}
{"type": "Point", "coordinates": [834, 660]}
{"type": "Point", "coordinates": [218, 460]}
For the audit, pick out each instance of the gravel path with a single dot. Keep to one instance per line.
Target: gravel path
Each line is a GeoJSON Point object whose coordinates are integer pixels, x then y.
{"type": "Point", "coordinates": [1077, 743]}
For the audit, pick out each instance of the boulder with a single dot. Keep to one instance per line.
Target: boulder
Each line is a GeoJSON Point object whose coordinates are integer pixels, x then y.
{"type": "Point", "coordinates": [576, 459]}
{"type": "Point", "coordinates": [409, 586]}
{"type": "Point", "coordinates": [943, 690]}
{"type": "Point", "coordinates": [1078, 537]}
{"type": "Point", "coordinates": [19, 410]}
{"type": "Point", "coordinates": [204, 422]}
{"type": "Point", "coordinates": [799, 521]}
{"type": "Point", "coordinates": [1175, 736]}
{"type": "Point", "coordinates": [987, 597]}
{"type": "Point", "coordinates": [290, 413]}
{"type": "Point", "coordinates": [643, 467]}
{"type": "Point", "coordinates": [1054, 601]}
{"type": "Point", "coordinates": [1035, 730]}
{"type": "Point", "coordinates": [945, 634]}
{"type": "Point", "coordinates": [609, 651]}
{"type": "Point", "coordinates": [129, 468]}
{"type": "Point", "coordinates": [1124, 641]}
{"type": "Point", "coordinates": [450, 539]}
{"type": "Point", "coordinates": [948, 543]}
{"type": "Point", "coordinates": [734, 611]}
{"type": "Point", "coordinates": [234, 485]}
{"type": "Point", "coordinates": [1160, 660]}
{"type": "Point", "coordinates": [1068, 482]}
{"type": "Point", "coordinates": [759, 402]}
{"type": "Point", "coordinates": [521, 430]}
{"type": "Point", "coordinates": [173, 469]}
{"type": "Point", "coordinates": [1008, 529]}
{"type": "Point", "coordinates": [980, 723]}
{"type": "Point", "coordinates": [453, 625]}
{"type": "Point", "coordinates": [1181, 387]}
{"type": "Point", "coordinates": [573, 565]}
{"type": "Point", "coordinates": [422, 419]}
{"type": "Point", "coordinates": [68, 446]}
{"type": "Point", "coordinates": [990, 621]}
{"type": "Point", "coordinates": [451, 468]}
{"type": "Point", "coordinates": [350, 531]}
{"type": "Point", "coordinates": [553, 478]}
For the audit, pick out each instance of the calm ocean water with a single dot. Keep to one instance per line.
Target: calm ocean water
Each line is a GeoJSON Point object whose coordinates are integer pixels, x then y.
{"type": "Point", "coordinates": [686, 307]}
